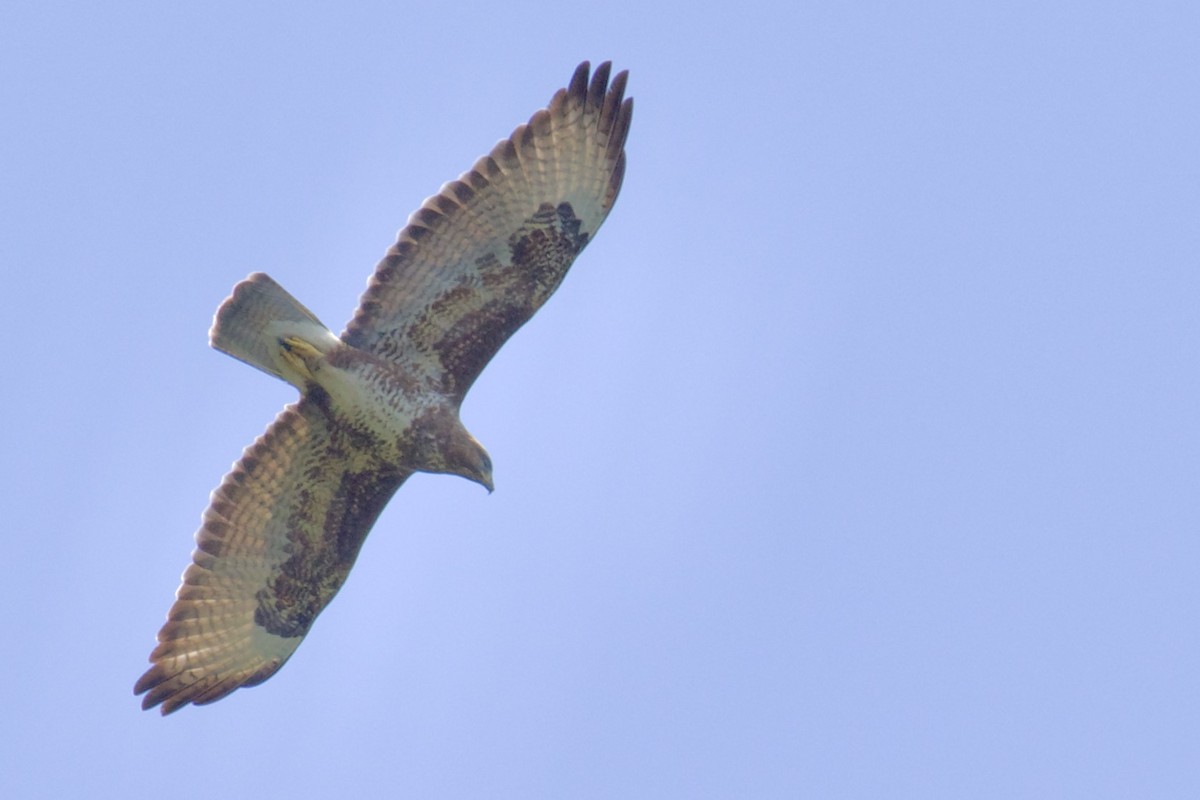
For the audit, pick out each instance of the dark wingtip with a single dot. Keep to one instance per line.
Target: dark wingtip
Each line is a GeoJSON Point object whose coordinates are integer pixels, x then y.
{"type": "Point", "coordinates": [617, 87]}
{"type": "Point", "coordinates": [579, 80]}
{"type": "Point", "coordinates": [599, 85]}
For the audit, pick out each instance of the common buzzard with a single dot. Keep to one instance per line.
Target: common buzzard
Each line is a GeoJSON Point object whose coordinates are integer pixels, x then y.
{"type": "Point", "coordinates": [382, 400]}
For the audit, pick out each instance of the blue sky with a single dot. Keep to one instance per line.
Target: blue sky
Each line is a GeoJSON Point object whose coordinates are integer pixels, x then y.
{"type": "Point", "coordinates": [856, 457]}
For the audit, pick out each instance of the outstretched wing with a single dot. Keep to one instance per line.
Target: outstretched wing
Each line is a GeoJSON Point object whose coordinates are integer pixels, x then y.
{"type": "Point", "coordinates": [275, 545]}
{"type": "Point", "coordinates": [480, 257]}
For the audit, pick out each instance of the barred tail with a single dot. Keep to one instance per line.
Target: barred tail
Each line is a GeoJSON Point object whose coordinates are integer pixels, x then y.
{"type": "Point", "coordinates": [254, 322]}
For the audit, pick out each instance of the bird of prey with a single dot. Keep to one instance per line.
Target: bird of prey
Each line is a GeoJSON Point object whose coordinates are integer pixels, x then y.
{"type": "Point", "coordinates": [381, 401]}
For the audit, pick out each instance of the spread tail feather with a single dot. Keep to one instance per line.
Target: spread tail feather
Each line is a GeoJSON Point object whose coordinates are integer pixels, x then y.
{"type": "Point", "coordinates": [259, 321]}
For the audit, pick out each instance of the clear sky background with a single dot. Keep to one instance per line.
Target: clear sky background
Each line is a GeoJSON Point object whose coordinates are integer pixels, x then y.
{"type": "Point", "coordinates": [857, 456]}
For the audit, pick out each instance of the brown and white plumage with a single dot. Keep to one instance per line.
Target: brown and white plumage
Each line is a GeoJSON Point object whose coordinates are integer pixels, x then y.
{"type": "Point", "coordinates": [473, 264]}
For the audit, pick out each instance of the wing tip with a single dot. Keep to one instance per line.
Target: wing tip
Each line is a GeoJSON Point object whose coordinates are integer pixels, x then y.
{"type": "Point", "coordinates": [171, 691]}
{"type": "Point", "coordinates": [160, 689]}
{"type": "Point", "coordinates": [579, 79]}
{"type": "Point", "coordinates": [607, 97]}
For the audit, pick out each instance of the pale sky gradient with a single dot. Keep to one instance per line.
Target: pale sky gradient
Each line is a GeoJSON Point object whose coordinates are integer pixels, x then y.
{"type": "Point", "coordinates": [857, 457]}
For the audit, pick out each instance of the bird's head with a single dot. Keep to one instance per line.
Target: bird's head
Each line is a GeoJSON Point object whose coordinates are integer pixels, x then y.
{"type": "Point", "coordinates": [466, 457]}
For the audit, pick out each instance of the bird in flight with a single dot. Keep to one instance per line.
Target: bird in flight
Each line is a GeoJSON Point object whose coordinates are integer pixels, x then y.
{"type": "Point", "coordinates": [382, 400]}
